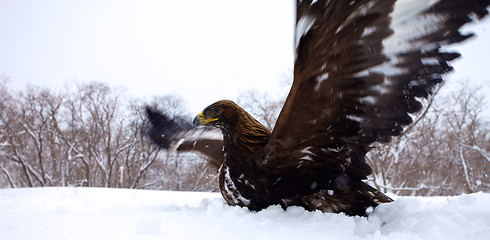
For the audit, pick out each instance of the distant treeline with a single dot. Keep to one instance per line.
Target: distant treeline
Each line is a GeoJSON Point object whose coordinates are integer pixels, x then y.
{"type": "Point", "coordinates": [92, 135]}
{"type": "Point", "coordinates": [89, 135]}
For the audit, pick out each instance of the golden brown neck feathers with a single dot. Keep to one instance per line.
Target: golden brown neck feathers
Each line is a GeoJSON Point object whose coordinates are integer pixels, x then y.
{"type": "Point", "coordinates": [240, 129]}
{"type": "Point", "coordinates": [250, 133]}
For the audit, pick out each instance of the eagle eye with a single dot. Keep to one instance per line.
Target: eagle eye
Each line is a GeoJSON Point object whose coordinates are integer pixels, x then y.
{"type": "Point", "coordinates": [216, 110]}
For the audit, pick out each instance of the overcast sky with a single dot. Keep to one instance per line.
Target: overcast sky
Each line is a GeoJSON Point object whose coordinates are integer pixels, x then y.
{"type": "Point", "coordinates": [203, 50]}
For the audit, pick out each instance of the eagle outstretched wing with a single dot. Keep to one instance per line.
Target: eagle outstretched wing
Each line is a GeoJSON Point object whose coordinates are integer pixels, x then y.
{"type": "Point", "coordinates": [178, 135]}
{"type": "Point", "coordinates": [360, 67]}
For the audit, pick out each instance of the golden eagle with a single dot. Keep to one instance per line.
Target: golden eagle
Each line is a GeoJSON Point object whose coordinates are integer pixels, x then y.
{"type": "Point", "coordinates": [360, 68]}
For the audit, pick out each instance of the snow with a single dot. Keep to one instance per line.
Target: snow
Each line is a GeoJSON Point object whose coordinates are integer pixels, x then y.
{"type": "Point", "coordinates": [96, 213]}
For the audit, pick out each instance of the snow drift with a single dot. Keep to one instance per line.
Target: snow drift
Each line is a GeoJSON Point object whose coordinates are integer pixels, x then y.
{"type": "Point", "coordinates": [95, 213]}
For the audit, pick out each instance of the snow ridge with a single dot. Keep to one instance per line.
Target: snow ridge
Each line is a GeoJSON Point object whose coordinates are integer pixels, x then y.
{"type": "Point", "coordinates": [96, 213]}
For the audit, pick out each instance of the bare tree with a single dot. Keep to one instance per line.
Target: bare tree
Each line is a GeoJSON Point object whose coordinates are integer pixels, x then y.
{"type": "Point", "coordinates": [262, 106]}
{"type": "Point", "coordinates": [90, 136]}
{"type": "Point", "coordinates": [443, 153]}
{"type": "Point", "coordinates": [95, 136]}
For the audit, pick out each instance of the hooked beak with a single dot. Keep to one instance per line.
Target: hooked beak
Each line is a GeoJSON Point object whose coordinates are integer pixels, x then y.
{"type": "Point", "coordinates": [200, 120]}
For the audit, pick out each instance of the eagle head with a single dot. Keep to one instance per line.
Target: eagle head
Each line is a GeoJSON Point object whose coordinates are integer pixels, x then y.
{"type": "Point", "coordinates": [235, 123]}
{"type": "Point", "coordinates": [222, 114]}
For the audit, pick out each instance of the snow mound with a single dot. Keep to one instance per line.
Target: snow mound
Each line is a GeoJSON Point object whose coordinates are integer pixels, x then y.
{"type": "Point", "coordinates": [96, 213]}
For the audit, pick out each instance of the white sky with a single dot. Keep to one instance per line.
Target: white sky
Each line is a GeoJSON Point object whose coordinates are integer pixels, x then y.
{"type": "Point", "coordinates": [202, 50]}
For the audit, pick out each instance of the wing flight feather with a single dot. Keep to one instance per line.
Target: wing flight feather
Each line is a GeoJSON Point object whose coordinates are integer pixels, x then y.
{"type": "Point", "coordinates": [360, 68]}
{"type": "Point", "coordinates": [177, 135]}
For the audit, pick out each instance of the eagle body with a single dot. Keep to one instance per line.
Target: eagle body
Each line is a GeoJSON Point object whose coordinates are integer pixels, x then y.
{"type": "Point", "coordinates": [362, 67]}
{"type": "Point", "coordinates": [246, 180]}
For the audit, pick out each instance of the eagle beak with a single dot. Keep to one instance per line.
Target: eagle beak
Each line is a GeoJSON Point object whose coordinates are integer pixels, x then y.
{"type": "Point", "coordinates": [200, 120]}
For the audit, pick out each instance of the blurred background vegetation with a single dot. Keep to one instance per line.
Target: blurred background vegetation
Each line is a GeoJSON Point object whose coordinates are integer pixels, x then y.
{"type": "Point", "coordinates": [93, 135]}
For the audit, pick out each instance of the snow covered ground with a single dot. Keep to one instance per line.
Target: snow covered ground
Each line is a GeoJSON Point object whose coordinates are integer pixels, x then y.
{"type": "Point", "coordinates": [95, 213]}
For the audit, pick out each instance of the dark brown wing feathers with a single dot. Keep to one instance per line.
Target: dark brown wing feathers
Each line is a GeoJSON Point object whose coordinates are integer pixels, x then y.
{"type": "Point", "coordinates": [353, 87]}
{"type": "Point", "coordinates": [177, 134]}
